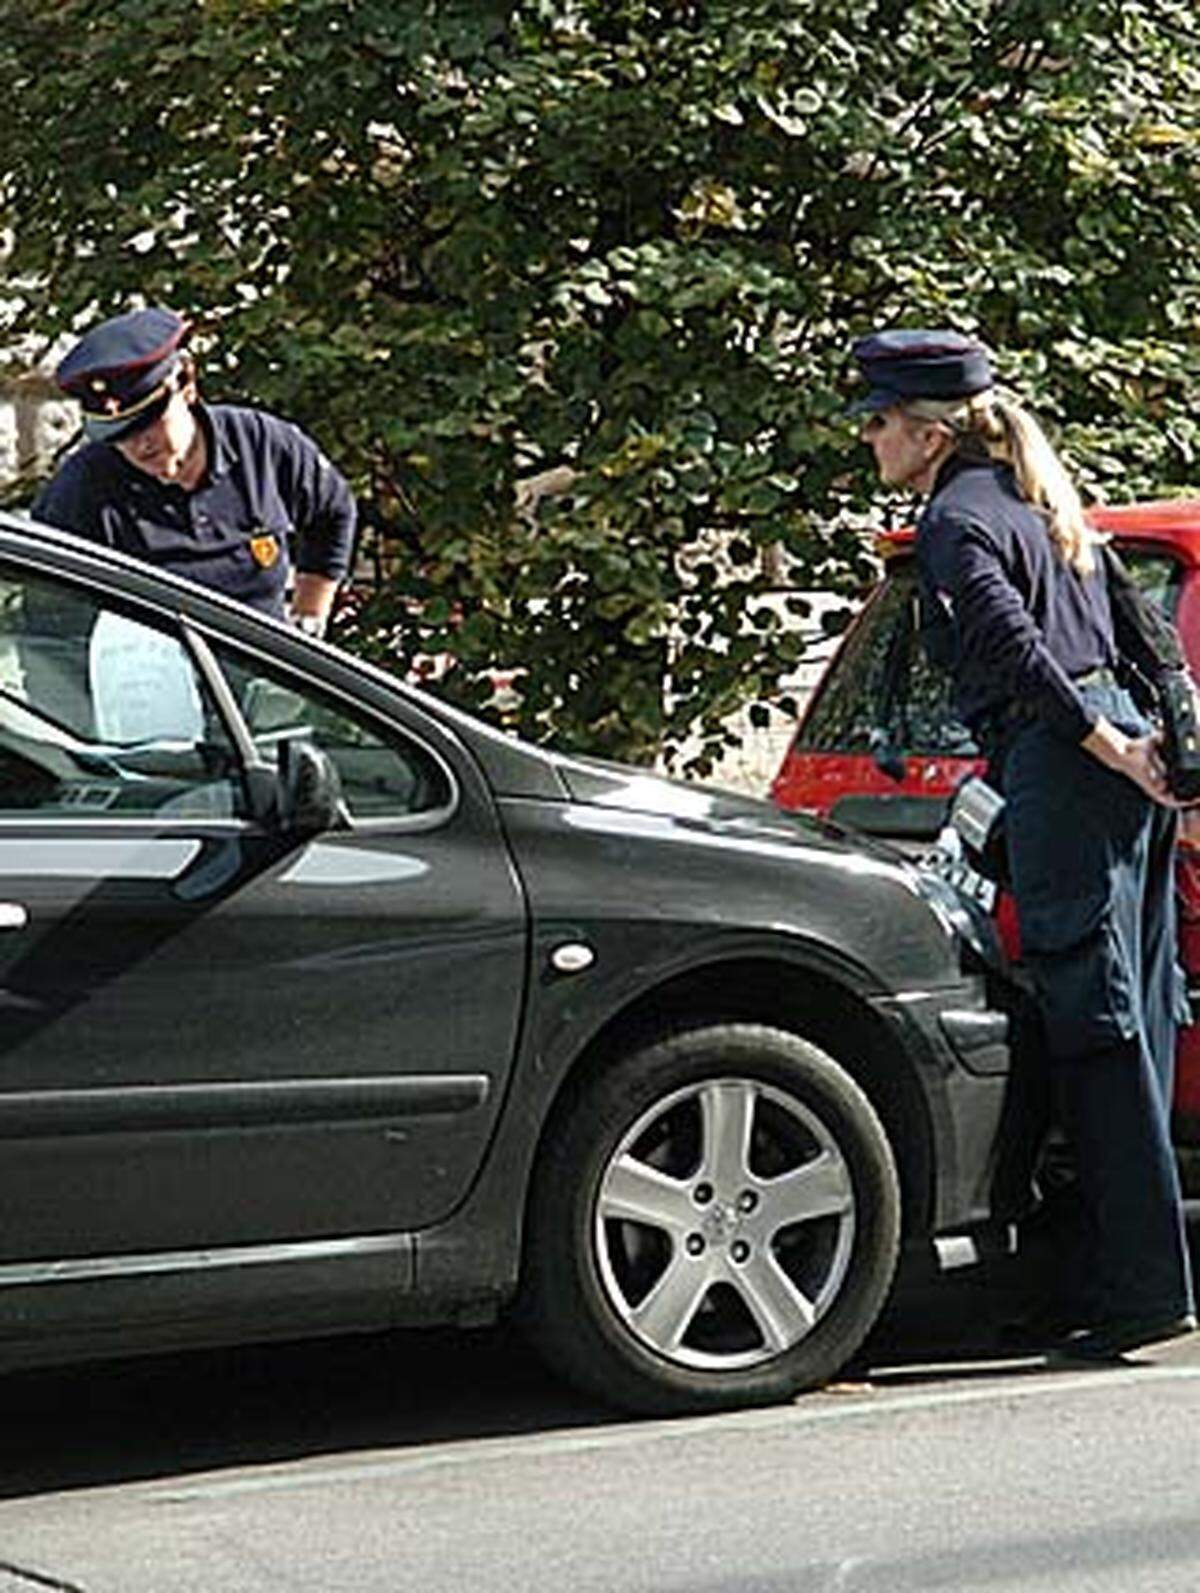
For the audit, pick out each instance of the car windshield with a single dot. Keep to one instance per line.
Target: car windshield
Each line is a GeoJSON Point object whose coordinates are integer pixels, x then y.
{"type": "Point", "coordinates": [882, 682]}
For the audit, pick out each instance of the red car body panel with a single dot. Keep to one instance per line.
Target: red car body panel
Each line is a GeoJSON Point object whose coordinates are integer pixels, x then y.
{"type": "Point", "coordinates": [816, 780]}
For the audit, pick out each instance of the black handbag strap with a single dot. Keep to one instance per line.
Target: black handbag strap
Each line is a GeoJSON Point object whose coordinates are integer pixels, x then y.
{"type": "Point", "coordinates": [1145, 637]}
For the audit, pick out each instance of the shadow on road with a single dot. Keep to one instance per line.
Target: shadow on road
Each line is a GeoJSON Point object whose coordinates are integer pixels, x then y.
{"type": "Point", "coordinates": [171, 1416]}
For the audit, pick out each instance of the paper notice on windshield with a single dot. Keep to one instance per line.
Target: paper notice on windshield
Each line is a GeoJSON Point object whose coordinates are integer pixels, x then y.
{"type": "Point", "coordinates": [143, 685]}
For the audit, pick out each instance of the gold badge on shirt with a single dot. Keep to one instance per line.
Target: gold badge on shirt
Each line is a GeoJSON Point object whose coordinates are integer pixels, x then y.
{"type": "Point", "coordinates": [264, 550]}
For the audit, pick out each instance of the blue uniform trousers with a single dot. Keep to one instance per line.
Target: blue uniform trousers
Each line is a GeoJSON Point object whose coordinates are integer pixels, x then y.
{"type": "Point", "coordinates": [1092, 870]}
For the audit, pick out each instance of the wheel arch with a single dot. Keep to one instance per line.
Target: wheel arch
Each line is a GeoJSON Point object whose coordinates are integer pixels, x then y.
{"type": "Point", "coordinates": [806, 1001]}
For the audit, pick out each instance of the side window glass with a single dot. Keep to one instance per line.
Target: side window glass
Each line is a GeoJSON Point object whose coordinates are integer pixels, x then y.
{"type": "Point", "coordinates": [882, 680]}
{"type": "Point", "coordinates": [384, 775]}
{"type": "Point", "coordinates": [1159, 575]}
{"type": "Point", "coordinates": [100, 713]}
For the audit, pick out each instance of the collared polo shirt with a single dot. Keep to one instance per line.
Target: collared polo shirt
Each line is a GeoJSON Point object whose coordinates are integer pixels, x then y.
{"type": "Point", "coordinates": [269, 499]}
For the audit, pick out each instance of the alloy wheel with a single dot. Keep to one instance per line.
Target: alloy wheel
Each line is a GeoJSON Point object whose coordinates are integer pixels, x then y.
{"type": "Point", "coordinates": [724, 1224]}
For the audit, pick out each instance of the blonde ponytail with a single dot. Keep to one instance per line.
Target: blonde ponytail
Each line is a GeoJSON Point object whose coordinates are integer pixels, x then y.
{"type": "Point", "coordinates": [1010, 433]}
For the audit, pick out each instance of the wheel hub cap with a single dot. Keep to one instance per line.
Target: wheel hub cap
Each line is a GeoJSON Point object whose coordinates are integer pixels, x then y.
{"type": "Point", "coordinates": [724, 1224]}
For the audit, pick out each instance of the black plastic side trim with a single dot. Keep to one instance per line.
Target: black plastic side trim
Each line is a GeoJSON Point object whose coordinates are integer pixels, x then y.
{"type": "Point", "coordinates": [144, 1108]}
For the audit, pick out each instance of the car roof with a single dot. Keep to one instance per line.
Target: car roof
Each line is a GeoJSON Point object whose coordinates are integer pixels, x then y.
{"type": "Point", "coordinates": [1172, 522]}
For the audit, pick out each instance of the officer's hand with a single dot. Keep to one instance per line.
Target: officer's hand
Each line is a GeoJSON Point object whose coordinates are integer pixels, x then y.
{"type": "Point", "coordinates": [1138, 758]}
{"type": "Point", "coordinates": [1156, 782]}
{"type": "Point", "coordinates": [1148, 769]}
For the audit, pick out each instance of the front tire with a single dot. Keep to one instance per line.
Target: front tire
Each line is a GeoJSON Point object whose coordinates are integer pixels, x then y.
{"type": "Point", "coordinates": [714, 1222]}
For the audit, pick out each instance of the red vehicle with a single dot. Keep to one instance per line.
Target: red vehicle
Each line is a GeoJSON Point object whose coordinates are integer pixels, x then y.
{"type": "Point", "coordinates": [879, 747]}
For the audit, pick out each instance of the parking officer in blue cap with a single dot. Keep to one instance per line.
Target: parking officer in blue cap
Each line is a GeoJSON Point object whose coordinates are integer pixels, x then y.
{"type": "Point", "coordinates": [224, 495]}
{"type": "Point", "coordinates": [1011, 570]}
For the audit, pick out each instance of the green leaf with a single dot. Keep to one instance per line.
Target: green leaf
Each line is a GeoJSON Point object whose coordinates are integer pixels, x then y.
{"type": "Point", "coordinates": [620, 251]}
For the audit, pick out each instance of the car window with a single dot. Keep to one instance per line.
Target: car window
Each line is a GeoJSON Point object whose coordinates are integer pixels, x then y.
{"type": "Point", "coordinates": [1159, 575]}
{"type": "Point", "coordinates": [384, 774]}
{"type": "Point", "coordinates": [101, 713]}
{"type": "Point", "coordinates": [882, 681]}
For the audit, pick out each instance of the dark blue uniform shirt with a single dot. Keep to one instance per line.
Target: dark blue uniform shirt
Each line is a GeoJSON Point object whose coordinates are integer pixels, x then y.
{"type": "Point", "coordinates": [269, 495]}
{"type": "Point", "coordinates": [1014, 622]}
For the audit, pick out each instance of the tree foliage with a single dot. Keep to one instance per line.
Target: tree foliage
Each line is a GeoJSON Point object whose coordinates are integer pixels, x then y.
{"type": "Point", "coordinates": [471, 242]}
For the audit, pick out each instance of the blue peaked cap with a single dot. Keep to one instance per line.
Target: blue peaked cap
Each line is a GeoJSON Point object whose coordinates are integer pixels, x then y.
{"type": "Point", "coordinates": [908, 363]}
{"type": "Point", "coordinates": [123, 371]}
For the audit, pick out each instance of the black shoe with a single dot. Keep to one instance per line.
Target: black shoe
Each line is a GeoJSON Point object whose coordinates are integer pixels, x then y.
{"type": "Point", "coordinates": [1041, 1329]}
{"type": "Point", "coordinates": [1110, 1340]}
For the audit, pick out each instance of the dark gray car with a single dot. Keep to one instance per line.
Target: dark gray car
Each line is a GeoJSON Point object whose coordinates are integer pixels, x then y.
{"type": "Point", "coordinates": [328, 1008]}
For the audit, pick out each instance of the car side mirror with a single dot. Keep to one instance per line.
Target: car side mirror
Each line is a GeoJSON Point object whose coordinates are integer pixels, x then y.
{"type": "Point", "coordinates": [310, 789]}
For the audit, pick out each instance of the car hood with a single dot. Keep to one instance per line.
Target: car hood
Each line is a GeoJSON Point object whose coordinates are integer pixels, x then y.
{"type": "Point", "coordinates": [734, 818]}
{"type": "Point", "coordinates": [710, 809]}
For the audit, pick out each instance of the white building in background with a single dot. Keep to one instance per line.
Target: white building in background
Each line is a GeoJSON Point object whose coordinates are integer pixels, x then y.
{"type": "Point", "coordinates": [35, 422]}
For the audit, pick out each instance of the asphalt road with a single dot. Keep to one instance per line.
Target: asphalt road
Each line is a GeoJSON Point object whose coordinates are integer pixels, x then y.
{"type": "Point", "coordinates": [442, 1461]}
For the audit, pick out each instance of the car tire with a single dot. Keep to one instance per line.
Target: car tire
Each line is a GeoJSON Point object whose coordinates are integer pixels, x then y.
{"type": "Point", "coordinates": [714, 1222]}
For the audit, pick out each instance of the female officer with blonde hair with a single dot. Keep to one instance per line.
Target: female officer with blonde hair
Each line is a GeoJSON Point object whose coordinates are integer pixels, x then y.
{"type": "Point", "coordinates": [1016, 591]}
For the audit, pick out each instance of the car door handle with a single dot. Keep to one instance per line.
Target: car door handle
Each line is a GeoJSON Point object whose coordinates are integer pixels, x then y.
{"type": "Point", "coordinates": [13, 915]}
